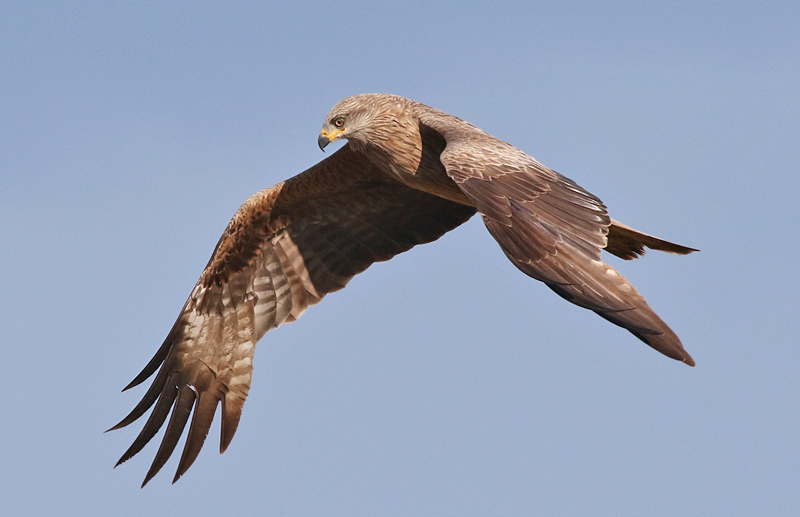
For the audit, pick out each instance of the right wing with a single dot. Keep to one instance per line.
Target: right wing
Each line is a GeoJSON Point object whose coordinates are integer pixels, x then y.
{"type": "Point", "coordinates": [551, 229]}
{"type": "Point", "coordinates": [286, 248]}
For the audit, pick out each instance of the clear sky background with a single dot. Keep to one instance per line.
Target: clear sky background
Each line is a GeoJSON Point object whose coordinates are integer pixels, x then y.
{"type": "Point", "coordinates": [443, 382]}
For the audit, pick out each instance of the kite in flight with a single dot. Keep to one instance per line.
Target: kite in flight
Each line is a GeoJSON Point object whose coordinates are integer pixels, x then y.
{"type": "Point", "coordinates": [408, 175]}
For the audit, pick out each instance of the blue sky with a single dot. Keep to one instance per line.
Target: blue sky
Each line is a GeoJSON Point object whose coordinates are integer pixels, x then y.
{"type": "Point", "coordinates": [443, 382]}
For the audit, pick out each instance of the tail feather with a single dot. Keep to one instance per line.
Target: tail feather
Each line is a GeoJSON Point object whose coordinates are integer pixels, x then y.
{"type": "Point", "coordinates": [627, 243]}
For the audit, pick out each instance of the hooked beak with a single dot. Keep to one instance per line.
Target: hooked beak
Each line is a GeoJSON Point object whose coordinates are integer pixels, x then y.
{"type": "Point", "coordinates": [325, 138]}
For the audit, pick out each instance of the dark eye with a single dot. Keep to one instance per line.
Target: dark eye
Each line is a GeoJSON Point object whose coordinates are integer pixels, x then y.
{"type": "Point", "coordinates": [338, 122]}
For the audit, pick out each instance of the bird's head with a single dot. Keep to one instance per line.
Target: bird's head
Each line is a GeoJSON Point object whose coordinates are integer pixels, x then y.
{"type": "Point", "coordinates": [355, 118]}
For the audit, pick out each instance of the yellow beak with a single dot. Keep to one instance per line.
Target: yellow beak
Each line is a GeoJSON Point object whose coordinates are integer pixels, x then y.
{"type": "Point", "coordinates": [325, 138]}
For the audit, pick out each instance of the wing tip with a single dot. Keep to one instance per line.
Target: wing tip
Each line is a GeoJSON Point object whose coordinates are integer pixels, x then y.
{"type": "Point", "coordinates": [122, 423]}
{"type": "Point", "coordinates": [147, 478]}
{"type": "Point", "coordinates": [667, 343]}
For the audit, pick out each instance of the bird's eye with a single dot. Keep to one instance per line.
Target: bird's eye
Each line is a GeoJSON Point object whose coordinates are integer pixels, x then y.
{"type": "Point", "coordinates": [338, 122]}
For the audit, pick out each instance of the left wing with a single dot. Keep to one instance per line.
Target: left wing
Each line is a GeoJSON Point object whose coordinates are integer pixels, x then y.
{"type": "Point", "coordinates": [285, 248]}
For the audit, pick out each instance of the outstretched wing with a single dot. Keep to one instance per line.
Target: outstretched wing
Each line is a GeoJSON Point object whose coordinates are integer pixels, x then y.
{"type": "Point", "coordinates": [553, 230]}
{"type": "Point", "coordinates": [285, 248]}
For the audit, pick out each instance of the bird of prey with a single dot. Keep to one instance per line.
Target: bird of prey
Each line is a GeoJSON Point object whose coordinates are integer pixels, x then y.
{"type": "Point", "coordinates": [407, 175]}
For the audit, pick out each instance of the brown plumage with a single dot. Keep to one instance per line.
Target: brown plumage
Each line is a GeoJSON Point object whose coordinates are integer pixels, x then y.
{"type": "Point", "coordinates": [408, 175]}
